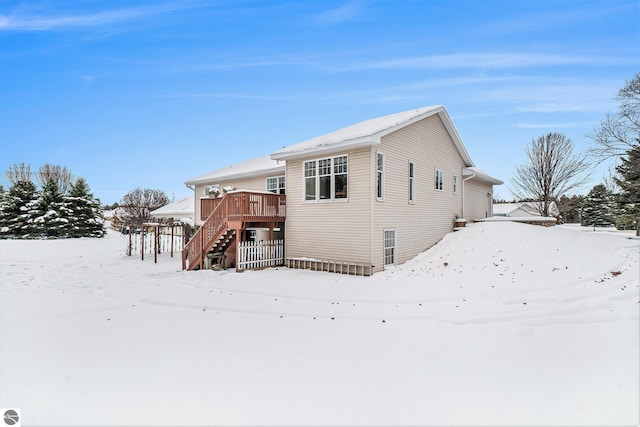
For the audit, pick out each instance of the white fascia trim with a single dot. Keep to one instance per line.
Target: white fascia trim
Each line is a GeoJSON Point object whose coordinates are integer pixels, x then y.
{"type": "Point", "coordinates": [375, 139]}
{"type": "Point", "coordinates": [263, 172]}
{"type": "Point", "coordinates": [448, 123]}
{"type": "Point", "coordinates": [474, 173]}
{"type": "Point", "coordinates": [319, 151]}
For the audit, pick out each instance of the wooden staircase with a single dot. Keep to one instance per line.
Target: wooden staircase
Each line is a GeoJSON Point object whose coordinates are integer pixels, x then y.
{"type": "Point", "coordinates": [227, 220]}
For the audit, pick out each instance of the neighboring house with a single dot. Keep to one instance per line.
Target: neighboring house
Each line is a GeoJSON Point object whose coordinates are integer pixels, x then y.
{"type": "Point", "coordinates": [373, 194]}
{"type": "Point", "coordinates": [180, 210]}
{"type": "Point", "coordinates": [522, 209]}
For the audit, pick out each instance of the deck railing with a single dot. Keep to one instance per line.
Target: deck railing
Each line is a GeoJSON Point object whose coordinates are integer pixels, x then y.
{"type": "Point", "coordinates": [237, 206]}
{"type": "Point", "coordinates": [247, 206]}
{"type": "Point", "coordinates": [207, 206]}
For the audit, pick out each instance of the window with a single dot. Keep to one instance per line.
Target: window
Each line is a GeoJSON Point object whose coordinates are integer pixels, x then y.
{"type": "Point", "coordinates": [324, 175]}
{"type": "Point", "coordinates": [340, 177]}
{"type": "Point", "coordinates": [276, 184]}
{"type": "Point", "coordinates": [326, 179]}
{"type": "Point", "coordinates": [455, 184]}
{"type": "Point", "coordinates": [310, 180]}
{"type": "Point", "coordinates": [439, 180]}
{"type": "Point", "coordinates": [411, 182]}
{"type": "Point", "coordinates": [389, 247]}
{"type": "Point", "coordinates": [380, 177]}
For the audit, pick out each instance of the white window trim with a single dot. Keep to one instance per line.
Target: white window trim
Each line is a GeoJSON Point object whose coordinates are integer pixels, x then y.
{"type": "Point", "coordinates": [385, 247]}
{"type": "Point", "coordinates": [382, 179]}
{"type": "Point", "coordinates": [277, 178]}
{"type": "Point", "coordinates": [333, 199]}
{"type": "Point", "coordinates": [456, 184]}
{"type": "Point", "coordinates": [412, 183]}
{"type": "Point", "coordinates": [435, 180]}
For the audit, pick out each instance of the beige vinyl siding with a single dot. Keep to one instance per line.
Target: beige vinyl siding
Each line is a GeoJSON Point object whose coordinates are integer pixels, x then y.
{"type": "Point", "coordinates": [476, 201]}
{"type": "Point", "coordinates": [331, 230]}
{"type": "Point", "coordinates": [424, 222]}
{"type": "Point", "coordinates": [254, 183]}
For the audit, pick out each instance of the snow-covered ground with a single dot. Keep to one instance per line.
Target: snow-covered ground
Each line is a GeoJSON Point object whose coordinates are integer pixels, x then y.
{"type": "Point", "coordinates": [499, 324]}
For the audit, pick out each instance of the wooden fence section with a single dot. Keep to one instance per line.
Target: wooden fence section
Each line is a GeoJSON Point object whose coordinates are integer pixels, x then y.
{"type": "Point", "coordinates": [137, 245]}
{"type": "Point", "coordinates": [262, 254]}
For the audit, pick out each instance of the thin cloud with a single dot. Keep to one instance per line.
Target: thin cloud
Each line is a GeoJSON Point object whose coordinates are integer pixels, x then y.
{"type": "Point", "coordinates": [475, 60]}
{"type": "Point", "coordinates": [346, 12]}
{"type": "Point", "coordinates": [579, 15]}
{"type": "Point", "coordinates": [22, 22]}
{"type": "Point", "coordinates": [220, 95]}
{"type": "Point", "coordinates": [556, 97]}
{"type": "Point", "coordinates": [562, 125]}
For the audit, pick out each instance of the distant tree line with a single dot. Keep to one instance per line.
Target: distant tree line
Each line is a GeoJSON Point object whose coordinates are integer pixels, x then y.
{"type": "Point", "coordinates": [59, 206]}
{"type": "Point", "coordinates": [553, 170]}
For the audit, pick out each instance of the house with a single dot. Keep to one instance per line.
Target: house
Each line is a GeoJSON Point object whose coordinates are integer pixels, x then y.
{"type": "Point", "coordinates": [180, 210]}
{"type": "Point", "coordinates": [368, 196]}
{"type": "Point", "coordinates": [522, 209]}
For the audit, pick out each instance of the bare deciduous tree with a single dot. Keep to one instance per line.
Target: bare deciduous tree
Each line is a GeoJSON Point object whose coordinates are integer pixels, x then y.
{"type": "Point", "coordinates": [618, 133]}
{"type": "Point", "coordinates": [19, 172]}
{"type": "Point", "coordinates": [136, 205]}
{"type": "Point", "coordinates": [56, 173]}
{"type": "Point", "coordinates": [551, 171]}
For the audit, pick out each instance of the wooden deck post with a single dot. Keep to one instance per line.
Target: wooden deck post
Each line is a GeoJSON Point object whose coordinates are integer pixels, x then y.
{"type": "Point", "coordinates": [239, 239]}
{"type": "Point", "coordinates": [130, 251]}
{"type": "Point", "coordinates": [171, 245]}
{"type": "Point", "coordinates": [156, 238]}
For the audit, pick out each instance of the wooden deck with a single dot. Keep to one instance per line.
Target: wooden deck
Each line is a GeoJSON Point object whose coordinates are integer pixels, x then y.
{"type": "Point", "coordinates": [233, 212]}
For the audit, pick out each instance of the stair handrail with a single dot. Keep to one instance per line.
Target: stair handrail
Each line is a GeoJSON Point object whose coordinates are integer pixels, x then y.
{"type": "Point", "coordinates": [204, 238]}
{"type": "Point", "coordinates": [234, 207]}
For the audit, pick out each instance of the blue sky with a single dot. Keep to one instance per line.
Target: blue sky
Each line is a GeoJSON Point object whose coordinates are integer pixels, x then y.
{"type": "Point", "coordinates": [152, 93]}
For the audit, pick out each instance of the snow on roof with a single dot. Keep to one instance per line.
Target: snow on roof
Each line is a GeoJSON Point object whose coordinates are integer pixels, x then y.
{"type": "Point", "coordinates": [482, 175]}
{"type": "Point", "coordinates": [257, 166]}
{"type": "Point", "coordinates": [179, 208]}
{"type": "Point", "coordinates": [506, 209]}
{"type": "Point", "coordinates": [368, 133]}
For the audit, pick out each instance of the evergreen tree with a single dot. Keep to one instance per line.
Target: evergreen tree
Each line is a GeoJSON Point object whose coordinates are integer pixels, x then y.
{"type": "Point", "coordinates": [4, 197]}
{"type": "Point", "coordinates": [16, 210]}
{"type": "Point", "coordinates": [569, 208]}
{"type": "Point", "coordinates": [49, 213]}
{"type": "Point", "coordinates": [629, 197]}
{"type": "Point", "coordinates": [598, 208]}
{"type": "Point", "coordinates": [85, 219]}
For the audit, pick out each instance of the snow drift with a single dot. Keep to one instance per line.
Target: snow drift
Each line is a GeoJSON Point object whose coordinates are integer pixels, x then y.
{"type": "Point", "coordinates": [500, 323]}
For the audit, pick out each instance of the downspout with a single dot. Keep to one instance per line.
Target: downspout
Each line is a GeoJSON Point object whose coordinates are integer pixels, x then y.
{"type": "Point", "coordinates": [473, 175]}
{"type": "Point", "coordinates": [372, 180]}
{"type": "Point", "coordinates": [195, 202]}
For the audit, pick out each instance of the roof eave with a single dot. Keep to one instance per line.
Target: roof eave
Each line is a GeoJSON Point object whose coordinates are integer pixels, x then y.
{"type": "Point", "coordinates": [227, 177]}
{"type": "Point", "coordinates": [448, 123]}
{"type": "Point", "coordinates": [364, 141]}
{"type": "Point", "coordinates": [475, 174]}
